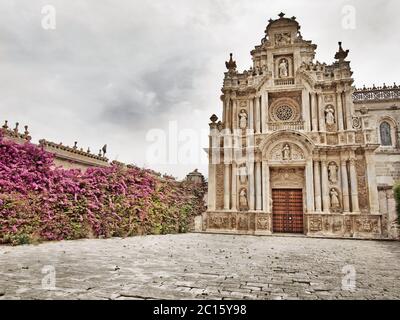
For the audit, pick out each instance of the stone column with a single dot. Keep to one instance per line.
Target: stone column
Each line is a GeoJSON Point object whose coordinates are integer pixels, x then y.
{"type": "Point", "coordinates": [325, 186]}
{"type": "Point", "coordinates": [264, 106]}
{"type": "Point", "coordinates": [257, 113]}
{"type": "Point", "coordinates": [211, 205]}
{"type": "Point", "coordinates": [317, 186]}
{"type": "Point", "coordinates": [228, 118]}
{"type": "Point", "coordinates": [314, 111]}
{"type": "Point", "coordinates": [258, 186]}
{"type": "Point", "coordinates": [340, 111]}
{"type": "Point", "coordinates": [234, 115]}
{"type": "Point", "coordinates": [251, 115]}
{"type": "Point", "coordinates": [227, 195]}
{"type": "Point", "coordinates": [321, 113]}
{"type": "Point", "coordinates": [234, 186]}
{"type": "Point", "coordinates": [310, 186]}
{"type": "Point", "coordinates": [345, 185]}
{"type": "Point", "coordinates": [250, 170]}
{"type": "Point", "coordinates": [265, 187]}
{"type": "Point", "coordinates": [349, 107]}
{"type": "Point", "coordinates": [225, 102]}
{"type": "Point", "coordinates": [306, 110]}
{"type": "Point", "coordinates": [354, 185]}
{"type": "Point", "coordinates": [372, 184]}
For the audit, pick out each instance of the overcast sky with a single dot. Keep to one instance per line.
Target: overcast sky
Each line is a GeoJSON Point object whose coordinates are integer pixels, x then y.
{"type": "Point", "coordinates": [112, 70]}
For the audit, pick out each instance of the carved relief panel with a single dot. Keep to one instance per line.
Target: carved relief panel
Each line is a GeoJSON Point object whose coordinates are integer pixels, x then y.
{"type": "Point", "coordinates": [287, 178]}
{"type": "Point", "coordinates": [286, 152]}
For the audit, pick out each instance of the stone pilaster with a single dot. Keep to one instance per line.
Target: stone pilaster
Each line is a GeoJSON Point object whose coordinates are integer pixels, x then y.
{"type": "Point", "coordinates": [345, 185]}
{"type": "Point", "coordinates": [325, 185]}
{"type": "Point", "coordinates": [258, 186]}
{"type": "Point", "coordinates": [251, 114]}
{"type": "Point", "coordinates": [354, 185]}
{"type": "Point", "coordinates": [306, 110]}
{"type": "Point", "coordinates": [257, 114]}
{"type": "Point", "coordinates": [227, 190]}
{"type": "Point", "coordinates": [250, 168]}
{"type": "Point", "coordinates": [340, 111]}
{"type": "Point", "coordinates": [314, 111]}
{"type": "Point", "coordinates": [372, 184]}
{"type": "Point", "coordinates": [234, 191]}
{"type": "Point", "coordinates": [211, 197]}
{"type": "Point", "coordinates": [310, 186]}
{"type": "Point", "coordinates": [265, 187]}
{"type": "Point", "coordinates": [317, 186]}
{"type": "Point", "coordinates": [322, 126]}
{"type": "Point", "coordinates": [234, 114]}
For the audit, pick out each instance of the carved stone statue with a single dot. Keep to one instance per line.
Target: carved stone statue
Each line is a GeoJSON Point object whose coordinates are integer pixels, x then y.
{"type": "Point", "coordinates": [330, 116]}
{"type": "Point", "coordinates": [283, 68]}
{"type": "Point", "coordinates": [243, 205]}
{"type": "Point", "coordinates": [282, 39]}
{"type": "Point", "coordinates": [332, 170]}
{"type": "Point", "coordinates": [335, 204]}
{"type": "Point", "coordinates": [243, 119]}
{"type": "Point", "coordinates": [286, 152]}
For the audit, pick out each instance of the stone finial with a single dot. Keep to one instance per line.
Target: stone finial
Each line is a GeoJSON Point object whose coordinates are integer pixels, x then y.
{"type": "Point", "coordinates": [88, 150]}
{"type": "Point", "coordinates": [16, 127]}
{"type": "Point", "coordinates": [99, 153]}
{"type": "Point", "coordinates": [75, 145]}
{"type": "Point", "coordinates": [281, 15]}
{"type": "Point", "coordinates": [214, 118]}
{"type": "Point", "coordinates": [26, 132]}
{"type": "Point", "coordinates": [5, 125]}
{"type": "Point", "coordinates": [341, 54]}
{"type": "Point", "coordinates": [231, 64]}
{"type": "Point", "coordinates": [104, 149]}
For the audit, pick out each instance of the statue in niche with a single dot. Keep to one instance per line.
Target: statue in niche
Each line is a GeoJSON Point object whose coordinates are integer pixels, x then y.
{"type": "Point", "coordinates": [243, 200]}
{"type": "Point", "coordinates": [335, 204]}
{"type": "Point", "coordinates": [333, 172]}
{"type": "Point", "coordinates": [243, 119]}
{"type": "Point", "coordinates": [330, 116]}
{"type": "Point", "coordinates": [283, 69]}
{"type": "Point", "coordinates": [286, 152]}
{"type": "Point", "coordinates": [243, 174]}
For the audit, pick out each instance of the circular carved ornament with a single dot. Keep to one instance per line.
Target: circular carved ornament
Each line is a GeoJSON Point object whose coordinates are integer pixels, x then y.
{"type": "Point", "coordinates": [284, 113]}
{"type": "Point", "coordinates": [284, 110]}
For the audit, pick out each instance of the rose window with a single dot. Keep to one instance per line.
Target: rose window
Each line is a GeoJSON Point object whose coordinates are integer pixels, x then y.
{"type": "Point", "coordinates": [284, 113]}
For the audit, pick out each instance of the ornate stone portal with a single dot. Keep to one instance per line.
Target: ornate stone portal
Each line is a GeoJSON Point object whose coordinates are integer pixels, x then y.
{"type": "Point", "coordinates": [291, 152]}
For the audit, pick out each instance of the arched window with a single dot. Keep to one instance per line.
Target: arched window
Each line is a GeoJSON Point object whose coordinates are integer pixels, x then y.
{"type": "Point", "coordinates": [386, 134]}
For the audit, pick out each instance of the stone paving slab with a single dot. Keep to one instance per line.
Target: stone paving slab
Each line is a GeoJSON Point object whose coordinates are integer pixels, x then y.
{"type": "Point", "coordinates": [201, 266]}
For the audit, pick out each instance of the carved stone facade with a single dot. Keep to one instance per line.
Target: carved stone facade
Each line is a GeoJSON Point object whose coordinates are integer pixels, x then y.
{"type": "Point", "coordinates": [298, 144]}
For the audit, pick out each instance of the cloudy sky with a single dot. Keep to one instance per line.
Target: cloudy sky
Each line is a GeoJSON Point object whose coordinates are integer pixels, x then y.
{"type": "Point", "coordinates": [130, 72]}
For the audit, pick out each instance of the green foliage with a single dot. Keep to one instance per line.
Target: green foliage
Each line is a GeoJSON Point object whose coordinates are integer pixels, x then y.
{"type": "Point", "coordinates": [397, 198]}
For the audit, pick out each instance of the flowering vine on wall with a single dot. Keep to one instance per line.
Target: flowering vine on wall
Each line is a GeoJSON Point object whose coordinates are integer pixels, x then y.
{"type": "Point", "coordinates": [40, 202]}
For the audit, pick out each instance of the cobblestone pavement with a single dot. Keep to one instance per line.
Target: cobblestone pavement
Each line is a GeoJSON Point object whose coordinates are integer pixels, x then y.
{"type": "Point", "coordinates": [201, 266]}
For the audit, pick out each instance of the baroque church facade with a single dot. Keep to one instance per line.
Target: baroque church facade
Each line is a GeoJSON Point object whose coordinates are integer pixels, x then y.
{"type": "Point", "coordinates": [299, 149]}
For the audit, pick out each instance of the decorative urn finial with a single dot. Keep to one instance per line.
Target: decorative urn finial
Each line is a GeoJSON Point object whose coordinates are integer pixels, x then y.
{"type": "Point", "coordinates": [231, 64]}
{"type": "Point", "coordinates": [341, 54]}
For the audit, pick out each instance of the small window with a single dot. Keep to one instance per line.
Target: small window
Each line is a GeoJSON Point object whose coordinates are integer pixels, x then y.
{"type": "Point", "coordinates": [386, 134]}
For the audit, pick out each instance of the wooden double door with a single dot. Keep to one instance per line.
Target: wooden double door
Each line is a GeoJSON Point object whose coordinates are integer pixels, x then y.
{"type": "Point", "coordinates": [287, 210]}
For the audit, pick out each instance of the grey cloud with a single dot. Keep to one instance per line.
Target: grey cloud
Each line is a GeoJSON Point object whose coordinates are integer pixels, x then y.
{"type": "Point", "coordinates": [111, 70]}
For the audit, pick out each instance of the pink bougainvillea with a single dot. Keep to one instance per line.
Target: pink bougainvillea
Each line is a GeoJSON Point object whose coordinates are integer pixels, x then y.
{"type": "Point", "coordinates": [40, 202]}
